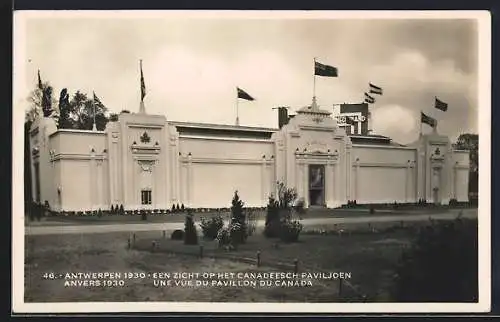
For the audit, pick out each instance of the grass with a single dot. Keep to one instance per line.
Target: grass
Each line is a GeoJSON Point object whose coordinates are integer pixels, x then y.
{"type": "Point", "coordinates": [369, 257]}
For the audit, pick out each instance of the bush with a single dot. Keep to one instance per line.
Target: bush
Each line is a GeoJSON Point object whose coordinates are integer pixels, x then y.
{"type": "Point", "coordinates": [99, 213]}
{"type": "Point", "coordinates": [290, 230]}
{"type": "Point", "coordinates": [190, 236]}
{"type": "Point", "coordinates": [224, 237]}
{"type": "Point", "coordinates": [441, 265]}
{"type": "Point", "coordinates": [177, 234]}
{"type": "Point", "coordinates": [210, 227]}
{"type": "Point", "coordinates": [280, 210]}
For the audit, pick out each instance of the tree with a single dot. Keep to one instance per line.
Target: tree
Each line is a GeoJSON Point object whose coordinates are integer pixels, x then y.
{"type": "Point", "coordinates": [441, 265]}
{"type": "Point", "coordinates": [41, 102]}
{"type": "Point", "coordinates": [113, 117]}
{"type": "Point", "coordinates": [190, 233]}
{"type": "Point", "coordinates": [470, 142]}
{"type": "Point", "coordinates": [238, 225]}
{"type": "Point", "coordinates": [82, 112]}
{"type": "Point", "coordinates": [65, 121]}
{"type": "Point", "coordinates": [279, 221]}
{"type": "Point", "coordinates": [27, 166]}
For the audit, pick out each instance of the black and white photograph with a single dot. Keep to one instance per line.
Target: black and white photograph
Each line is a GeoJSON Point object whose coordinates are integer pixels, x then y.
{"type": "Point", "coordinates": [251, 161]}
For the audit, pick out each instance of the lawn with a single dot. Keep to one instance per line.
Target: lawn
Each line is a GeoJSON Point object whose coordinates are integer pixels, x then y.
{"type": "Point", "coordinates": [369, 257]}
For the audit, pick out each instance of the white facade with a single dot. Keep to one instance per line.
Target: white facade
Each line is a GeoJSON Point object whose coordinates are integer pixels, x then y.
{"type": "Point", "coordinates": [146, 161]}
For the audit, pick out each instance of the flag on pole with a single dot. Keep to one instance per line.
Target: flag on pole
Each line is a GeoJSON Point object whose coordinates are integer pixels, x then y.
{"type": "Point", "coordinates": [428, 120]}
{"type": "Point", "coordinates": [97, 100]}
{"type": "Point", "coordinates": [40, 86]}
{"type": "Point", "coordinates": [325, 70]}
{"type": "Point", "coordinates": [440, 105]}
{"type": "Point", "coordinates": [244, 95]}
{"type": "Point", "coordinates": [375, 89]}
{"type": "Point", "coordinates": [369, 99]}
{"type": "Point", "coordinates": [143, 85]}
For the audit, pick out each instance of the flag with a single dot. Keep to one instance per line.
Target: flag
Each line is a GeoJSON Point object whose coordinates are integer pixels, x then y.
{"type": "Point", "coordinates": [244, 95]}
{"type": "Point", "coordinates": [143, 85]}
{"type": "Point", "coordinates": [375, 89]}
{"type": "Point", "coordinates": [325, 70]}
{"type": "Point", "coordinates": [97, 100]}
{"type": "Point", "coordinates": [369, 99]}
{"type": "Point", "coordinates": [440, 105]}
{"type": "Point", "coordinates": [40, 86]}
{"type": "Point", "coordinates": [427, 120]}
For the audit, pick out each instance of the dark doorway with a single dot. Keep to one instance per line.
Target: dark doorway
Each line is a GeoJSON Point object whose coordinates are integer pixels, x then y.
{"type": "Point", "coordinates": [316, 185]}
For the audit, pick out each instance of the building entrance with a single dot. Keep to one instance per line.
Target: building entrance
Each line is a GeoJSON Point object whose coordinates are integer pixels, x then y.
{"type": "Point", "coordinates": [316, 185]}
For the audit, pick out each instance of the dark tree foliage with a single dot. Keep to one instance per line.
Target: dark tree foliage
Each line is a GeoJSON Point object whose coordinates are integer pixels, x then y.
{"type": "Point", "coordinates": [27, 167]}
{"type": "Point", "coordinates": [177, 234]}
{"type": "Point", "coordinates": [441, 265]}
{"type": "Point", "coordinates": [279, 214]}
{"type": "Point", "coordinates": [113, 117]}
{"type": "Point", "coordinates": [65, 121]}
{"type": "Point", "coordinates": [470, 142]}
{"type": "Point", "coordinates": [238, 220]}
{"type": "Point", "coordinates": [82, 112]}
{"type": "Point", "coordinates": [47, 101]}
{"type": "Point", "coordinates": [190, 233]}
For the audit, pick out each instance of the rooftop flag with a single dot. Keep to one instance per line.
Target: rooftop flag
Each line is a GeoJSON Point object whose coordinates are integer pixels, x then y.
{"type": "Point", "coordinates": [375, 89]}
{"type": "Point", "coordinates": [440, 105]}
{"type": "Point", "coordinates": [143, 85]}
{"type": "Point", "coordinates": [369, 99]}
{"type": "Point", "coordinates": [428, 120]}
{"type": "Point", "coordinates": [325, 70]}
{"type": "Point", "coordinates": [244, 95]}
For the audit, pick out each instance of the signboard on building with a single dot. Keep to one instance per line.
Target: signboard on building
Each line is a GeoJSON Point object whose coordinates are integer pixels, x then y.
{"type": "Point", "coordinates": [356, 112]}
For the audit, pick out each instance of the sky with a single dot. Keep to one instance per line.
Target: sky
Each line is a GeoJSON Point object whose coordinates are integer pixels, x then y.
{"type": "Point", "coordinates": [193, 64]}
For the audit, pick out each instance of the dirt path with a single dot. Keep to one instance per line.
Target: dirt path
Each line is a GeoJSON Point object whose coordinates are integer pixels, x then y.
{"type": "Point", "coordinates": [131, 227]}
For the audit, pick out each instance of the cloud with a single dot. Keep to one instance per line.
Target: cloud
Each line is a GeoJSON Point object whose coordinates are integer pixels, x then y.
{"type": "Point", "coordinates": [397, 122]}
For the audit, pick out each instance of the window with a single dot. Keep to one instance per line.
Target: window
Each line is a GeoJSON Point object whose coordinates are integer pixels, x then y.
{"type": "Point", "coordinates": [146, 197]}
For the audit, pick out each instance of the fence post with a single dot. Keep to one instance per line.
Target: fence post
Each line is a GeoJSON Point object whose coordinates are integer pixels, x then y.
{"type": "Point", "coordinates": [258, 258]}
{"type": "Point", "coordinates": [201, 251]}
{"type": "Point", "coordinates": [340, 287]}
{"type": "Point", "coordinates": [163, 234]}
{"type": "Point", "coordinates": [128, 243]}
{"type": "Point", "coordinates": [296, 265]}
{"type": "Point", "coordinates": [153, 245]}
{"type": "Point", "coordinates": [133, 237]}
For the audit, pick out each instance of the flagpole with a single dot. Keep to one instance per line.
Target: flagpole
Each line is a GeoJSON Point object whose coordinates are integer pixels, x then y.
{"type": "Point", "coordinates": [237, 110]}
{"type": "Point", "coordinates": [421, 123]}
{"type": "Point", "coordinates": [94, 127]}
{"type": "Point", "coordinates": [314, 78]}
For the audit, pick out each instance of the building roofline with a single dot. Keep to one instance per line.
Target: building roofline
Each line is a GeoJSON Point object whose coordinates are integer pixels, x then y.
{"type": "Point", "coordinates": [222, 127]}
{"type": "Point", "coordinates": [77, 131]}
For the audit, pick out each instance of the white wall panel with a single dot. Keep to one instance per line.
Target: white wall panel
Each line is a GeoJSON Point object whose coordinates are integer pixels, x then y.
{"type": "Point", "coordinates": [213, 185]}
